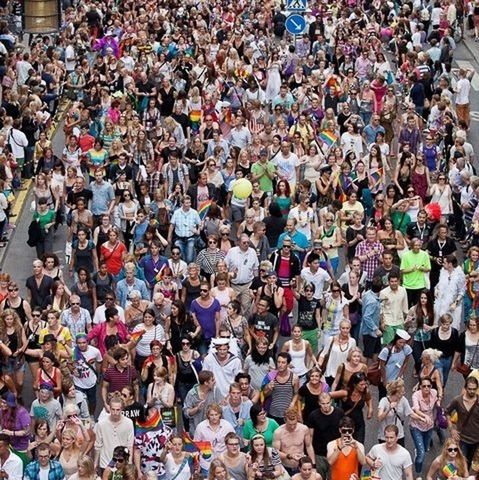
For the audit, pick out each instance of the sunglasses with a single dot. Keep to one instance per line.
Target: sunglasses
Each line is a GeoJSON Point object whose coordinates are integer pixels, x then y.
{"type": "Point", "coordinates": [347, 430]}
{"type": "Point", "coordinates": [118, 460]}
{"type": "Point", "coordinates": [224, 234]}
{"type": "Point", "coordinates": [36, 314]}
{"type": "Point", "coordinates": [336, 290]}
{"type": "Point", "coordinates": [212, 242]}
{"type": "Point", "coordinates": [185, 343]}
{"type": "Point", "coordinates": [74, 303]}
{"type": "Point", "coordinates": [452, 449]}
{"type": "Point", "coordinates": [203, 290]}
{"type": "Point", "coordinates": [13, 289]}
{"type": "Point", "coordinates": [286, 246]}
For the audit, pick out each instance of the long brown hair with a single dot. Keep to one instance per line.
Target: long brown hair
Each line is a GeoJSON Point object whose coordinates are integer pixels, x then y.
{"type": "Point", "coordinates": [461, 464]}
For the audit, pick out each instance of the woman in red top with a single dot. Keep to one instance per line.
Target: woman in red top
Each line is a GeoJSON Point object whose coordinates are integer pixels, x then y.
{"type": "Point", "coordinates": [113, 253]}
{"type": "Point", "coordinates": [50, 374]}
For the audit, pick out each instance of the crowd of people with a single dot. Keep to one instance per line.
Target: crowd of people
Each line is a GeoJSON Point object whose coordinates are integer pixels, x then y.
{"type": "Point", "coordinates": [269, 243]}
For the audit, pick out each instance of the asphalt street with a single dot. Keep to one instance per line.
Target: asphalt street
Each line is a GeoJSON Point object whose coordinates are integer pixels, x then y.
{"type": "Point", "coordinates": [19, 256]}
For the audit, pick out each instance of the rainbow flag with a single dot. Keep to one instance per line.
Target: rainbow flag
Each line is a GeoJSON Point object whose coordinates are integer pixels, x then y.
{"type": "Point", "coordinates": [152, 423]}
{"type": "Point", "coordinates": [366, 474]}
{"type": "Point", "coordinates": [195, 446]}
{"type": "Point", "coordinates": [204, 208]}
{"type": "Point", "coordinates": [328, 138]}
{"type": "Point", "coordinates": [449, 470]}
{"type": "Point", "coordinates": [376, 178]}
{"type": "Point", "coordinates": [135, 336]}
{"type": "Point", "coordinates": [267, 379]}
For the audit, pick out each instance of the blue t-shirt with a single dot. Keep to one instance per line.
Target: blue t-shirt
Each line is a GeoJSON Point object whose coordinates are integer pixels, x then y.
{"type": "Point", "coordinates": [395, 362]}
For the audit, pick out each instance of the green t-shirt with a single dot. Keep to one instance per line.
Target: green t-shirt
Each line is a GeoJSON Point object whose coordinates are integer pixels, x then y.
{"type": "Point", "coordinates": [400, 221]}
{"type": "Point", "coordinates": [265, 183]}
{"type": "Point", "coordinates": [249, 431]}
{"type": "Point", "coordinates": [416, 279]}
{"type": "Point", "coordinates": [44, 219]}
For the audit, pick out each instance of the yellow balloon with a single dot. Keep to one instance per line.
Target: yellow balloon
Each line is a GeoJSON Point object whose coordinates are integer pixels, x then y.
{"type": "Point", "coordinates": [242, 188]}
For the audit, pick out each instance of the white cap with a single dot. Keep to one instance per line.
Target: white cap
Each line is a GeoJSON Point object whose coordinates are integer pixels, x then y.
{"type": "Point", "coordinates": [221, 341]}
{"type": "Point", "coordinates": [403, 334]}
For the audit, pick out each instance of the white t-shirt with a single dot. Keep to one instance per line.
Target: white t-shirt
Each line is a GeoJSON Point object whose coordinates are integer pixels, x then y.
{"type": "Point", "coordinates": [394, 417]}
{"type": "Point", "coordinates": [43, 473]}
{"type": "Point", "coordinates": [463, 88]}
{"type": "Point", "coordinates": [99, 316]}
{"type": "Point", "coordinates": [317, 279]}
{"type": "Point", "coordinates": [286, 166]}
{"type": "Point", "coordinates": [70, 53]}
{"type": "Point", "coordinates": [304, 220]}
{"type": "Point", "coordinates": [84, 376]}
{"type": "Point", "coordinates": [393, 463]}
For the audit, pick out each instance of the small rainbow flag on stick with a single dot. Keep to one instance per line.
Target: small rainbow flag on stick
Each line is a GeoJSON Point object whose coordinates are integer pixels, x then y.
{"type": "Point", "coordinates": [204, 208]}
{"type": "Point", "coordinates": [449, 470]}
{"type": "Point", "coordinates": [328, 138]}
{"type": "Point", "coordinates": [194, 446]}
{"type": "Point", "coordinates": [135, 336]}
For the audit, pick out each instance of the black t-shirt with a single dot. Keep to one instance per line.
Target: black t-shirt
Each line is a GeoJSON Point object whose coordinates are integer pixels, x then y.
{"type": "Point", "coordinates": [415, 231]}
{"type": "Point", "coordinates": [133, 411]}
{"type": "Point", "coordinates": [74, 196]}
{"type": "Point", "coordinates": [146, 87]}
{"type": "Point", "coordinates": [306, 313]}
{"type": "Point", "coordinates": [264, 325]}
{"type": "Point", "coordinates": [40, 293]}
{"type": "Point", "coordinates": [383, 273]}
{"type": "Point", "coordinates": [325, 428]}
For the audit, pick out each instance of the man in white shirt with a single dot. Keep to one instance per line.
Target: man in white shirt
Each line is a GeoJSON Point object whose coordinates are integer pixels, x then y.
{"type": "Point", "coordinates": [240, 136]}
{"type": "Point", "coordinates": [99, 316]}
{"type": "Point", "coordinates": [11, 466]}
{"type": "Point", "coordinates": [17, 141]}
{"type": "Point", "coordinates": [23, 69]}
{"type": "Point", "coordinates": [463, 87]}
{"type": "Point", "coordinates": [389, 459]}
{"type": "Point", "coordinates": [224, 365]}
{"type": "Point", "coordinates": [286, 163]}
{"type": "Point", "coordinates": [394, 307]}
{"type": "Point", "coordinates": [242, 261]}
{"type": "Point", "coordinates": [315, 275]}
{"type": "Point", "coordinates": [70, 57]}
{"type": "Point", "coordinates": [115, 430]}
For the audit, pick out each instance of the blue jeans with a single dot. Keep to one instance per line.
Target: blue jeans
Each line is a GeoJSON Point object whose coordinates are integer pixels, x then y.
{"type": "Point", "coordinates": [187, 247]}
{"type": "Point", "coordinates": [421, 442]}
{"type": "Point", "coordinates": [444, 366]}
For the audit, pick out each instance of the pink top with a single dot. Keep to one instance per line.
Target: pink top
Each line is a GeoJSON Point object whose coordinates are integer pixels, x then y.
{"type": "Point", "coordinates": [426, 407]}
{"type": "Point", "coordinates": [99, 333]}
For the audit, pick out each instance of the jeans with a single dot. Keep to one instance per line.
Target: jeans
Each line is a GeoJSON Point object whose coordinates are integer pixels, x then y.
{"type": "Point", "coordinates": [421, 442]}
{"type": "Point", "coordinates": [444, 366]}
{"type": "Point", "coordinates": [187, 247]}
{"type": "Point", "coordinates": [468, 450]}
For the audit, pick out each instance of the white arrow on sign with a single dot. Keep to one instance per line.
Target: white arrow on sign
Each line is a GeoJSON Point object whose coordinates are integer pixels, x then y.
{"type": "Point", "coordinates": [296, 25]}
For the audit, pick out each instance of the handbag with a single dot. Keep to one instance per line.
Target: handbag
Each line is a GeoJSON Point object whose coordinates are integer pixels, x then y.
{"type": "Point", "coordinates": [441, 420]}
{"type": "Point", "coordinates": [374, 370]}
{"type": "Point", "coordinates": [464, 368]}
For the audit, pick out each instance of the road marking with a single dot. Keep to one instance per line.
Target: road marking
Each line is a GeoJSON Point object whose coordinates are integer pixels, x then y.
{"type": "Point", "coordinates": [475, 79]}
{"type": "Point", "coordinates": [19, 200]}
